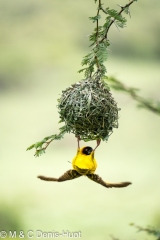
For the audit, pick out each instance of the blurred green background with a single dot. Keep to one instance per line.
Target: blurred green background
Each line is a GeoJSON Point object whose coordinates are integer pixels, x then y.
{"type": "Point", "coordinates": [41, 46]}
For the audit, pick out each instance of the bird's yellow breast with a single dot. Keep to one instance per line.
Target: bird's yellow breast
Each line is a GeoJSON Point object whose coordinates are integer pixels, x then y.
{"type": "Point", "coordinates": [84, 164]}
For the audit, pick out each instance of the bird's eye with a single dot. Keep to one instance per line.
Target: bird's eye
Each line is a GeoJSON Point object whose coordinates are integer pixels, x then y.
{"type": "Point", "coordinates": [87, 150]}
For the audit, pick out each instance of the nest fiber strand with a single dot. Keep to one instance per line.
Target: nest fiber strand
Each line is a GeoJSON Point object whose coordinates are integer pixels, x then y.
{"type": "Point", "coordinates": [89, 110]}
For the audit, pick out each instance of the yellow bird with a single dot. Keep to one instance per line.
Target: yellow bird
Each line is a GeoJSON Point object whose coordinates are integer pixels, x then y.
{"type": "Point", "coordinates": [85, 164]}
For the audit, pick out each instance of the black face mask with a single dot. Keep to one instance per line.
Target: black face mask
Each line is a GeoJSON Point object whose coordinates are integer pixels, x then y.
{"type": "Point", "coordinates": [87, 150]}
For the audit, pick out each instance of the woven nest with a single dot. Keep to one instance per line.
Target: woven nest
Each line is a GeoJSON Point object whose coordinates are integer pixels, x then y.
{"type": "Point", "coordinates": [89, 110]}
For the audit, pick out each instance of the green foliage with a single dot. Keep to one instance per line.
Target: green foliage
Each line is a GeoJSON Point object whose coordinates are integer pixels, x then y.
{"type": "Point", "coordinates": [94, 19]}
{"type": "Point", "coordinates": [149, 230]}
{"type": "Point", "coordinates": [94, 61]}
{"type": "Point", "coordinates": [148, 104]}
{"type": "Point", "coordinates": [44, 143]}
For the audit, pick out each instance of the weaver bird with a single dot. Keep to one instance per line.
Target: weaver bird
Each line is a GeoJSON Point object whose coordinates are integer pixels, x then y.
{"type": "Point", "coordinates": [85, 164]}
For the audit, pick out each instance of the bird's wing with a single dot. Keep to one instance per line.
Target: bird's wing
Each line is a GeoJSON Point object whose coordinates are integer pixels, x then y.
{"type": "Point", "coordinates": [69, 175]}
{"type": "Point", "coordinates": [99, 180]}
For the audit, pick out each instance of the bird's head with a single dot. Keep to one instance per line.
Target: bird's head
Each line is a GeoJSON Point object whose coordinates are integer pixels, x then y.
{"type": "Point", "coordinates": [87, 150]}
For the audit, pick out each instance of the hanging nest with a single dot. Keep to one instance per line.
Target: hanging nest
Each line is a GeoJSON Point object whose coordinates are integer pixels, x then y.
{"type": "Point", "coordinates": [89, 110]}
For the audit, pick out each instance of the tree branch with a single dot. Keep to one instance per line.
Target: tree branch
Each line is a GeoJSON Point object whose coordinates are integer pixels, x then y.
{"type": "Point", "coordinates": [148, 104]}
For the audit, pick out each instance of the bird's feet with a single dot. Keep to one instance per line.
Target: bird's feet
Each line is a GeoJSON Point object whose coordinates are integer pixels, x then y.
{"type": "Point", "coordinates": [78, 140]}
{"type": "Point", "coordinates": [98, 143]}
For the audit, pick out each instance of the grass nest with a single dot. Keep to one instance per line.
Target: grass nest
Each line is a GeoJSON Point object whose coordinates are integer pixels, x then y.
{"type": "Point", "coordinates": [88, 110]}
